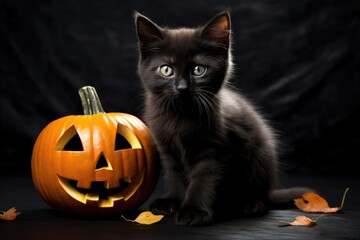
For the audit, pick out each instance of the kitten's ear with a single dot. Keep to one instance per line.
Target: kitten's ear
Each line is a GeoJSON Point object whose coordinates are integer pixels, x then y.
{"type": "Point", "coordinates": [218, 29]}
{"type": "Point", "coordinates": [147, 31]}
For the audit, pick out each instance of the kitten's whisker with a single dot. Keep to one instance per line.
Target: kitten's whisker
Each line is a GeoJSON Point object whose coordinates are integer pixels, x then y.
{"type": "Point", "coordinates": [208, 107]}
{"type": "Point", "coordinates": [211, 103]}
{"type": "Point", "coordinates": [208, 114]}
{"type": "Point", "coordinates": [164, 104]}
{"type": "Point", "coordinates": [210, 99]}
{"type": "Point", "coordinates": [199, 104]}
{"type": "Point", "coordinates": [207, 102]}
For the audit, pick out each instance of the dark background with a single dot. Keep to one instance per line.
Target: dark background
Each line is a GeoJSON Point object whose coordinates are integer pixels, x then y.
{"type": "Point", "coordinates": [298, 60]}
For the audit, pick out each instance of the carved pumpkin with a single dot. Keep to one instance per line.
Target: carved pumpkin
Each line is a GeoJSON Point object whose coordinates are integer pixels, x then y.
{"type": "Point", "coordinates": [94, 164]}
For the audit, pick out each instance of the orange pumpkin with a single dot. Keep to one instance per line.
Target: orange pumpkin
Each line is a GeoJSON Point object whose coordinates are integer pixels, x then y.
{"type": "Point", "coordinates": [94, 164]}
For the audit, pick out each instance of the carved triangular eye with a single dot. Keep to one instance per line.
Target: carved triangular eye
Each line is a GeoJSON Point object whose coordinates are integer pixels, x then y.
{"type": "Point", "coordinates": [70, 141]}
{"type": "Point", "coordinates": [121, 142]}
{"type": "Point", "coordinates": [74, 144]}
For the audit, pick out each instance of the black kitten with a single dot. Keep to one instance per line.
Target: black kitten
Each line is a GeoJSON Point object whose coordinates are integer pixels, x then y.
{"type": "Point", "coordinates": [219, 156]}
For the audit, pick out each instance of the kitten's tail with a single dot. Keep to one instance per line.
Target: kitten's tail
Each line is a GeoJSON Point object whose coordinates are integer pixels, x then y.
{"type": "Point", "coordinates": [284, 198]}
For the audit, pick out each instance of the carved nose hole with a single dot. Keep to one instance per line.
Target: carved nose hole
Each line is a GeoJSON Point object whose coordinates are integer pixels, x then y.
{"type": "Point", "coordinates": [103, 163]}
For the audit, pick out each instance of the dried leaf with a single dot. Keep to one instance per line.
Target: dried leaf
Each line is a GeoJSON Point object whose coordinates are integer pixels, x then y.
{"type": "Point", "coordinates": [312, 202]}
{"type": "Point", "coordinates": [146, 218]}
{"type": "Point", "coordinates": [302, 221]}
{"type": "Point", "coordinates": [9, 215]}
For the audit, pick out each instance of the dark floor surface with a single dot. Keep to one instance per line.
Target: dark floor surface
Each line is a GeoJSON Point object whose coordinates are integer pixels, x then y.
{"type": "Point", "coordinates": [38, 221]}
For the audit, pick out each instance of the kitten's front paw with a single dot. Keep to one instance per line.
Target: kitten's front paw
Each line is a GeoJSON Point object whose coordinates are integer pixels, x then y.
{"type": "Point", "coordinates": [192, 216]}
{"type": "Point", "coordinates": [165, 206]}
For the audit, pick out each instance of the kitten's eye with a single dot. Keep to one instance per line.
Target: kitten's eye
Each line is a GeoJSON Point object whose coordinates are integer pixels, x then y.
{"type": "Point", "coordinates": [166, 71]}
{"type": "Point", "coordinates": [199, 70]}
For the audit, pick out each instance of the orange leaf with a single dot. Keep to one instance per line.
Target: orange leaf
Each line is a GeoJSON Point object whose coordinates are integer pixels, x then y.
{"type": "Point", "coordinates": [312, 202]}
{"type": "Point", "coordinates": [301, 221]}
{"type": "Point", "coordinates": [9, 215]}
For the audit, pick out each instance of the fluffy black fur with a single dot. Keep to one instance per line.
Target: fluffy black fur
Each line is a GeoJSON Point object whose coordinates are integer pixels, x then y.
{"type": "Point", "coordinates": [218, 153]}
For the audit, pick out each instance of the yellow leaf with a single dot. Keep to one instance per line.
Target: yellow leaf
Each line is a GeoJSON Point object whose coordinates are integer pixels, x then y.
{"type": "Point", "coordinates": [146, 218]}
{"type": "Point", "coordinates": [9, 215]}
{"type": "Point", "coordinates": [312, 202]}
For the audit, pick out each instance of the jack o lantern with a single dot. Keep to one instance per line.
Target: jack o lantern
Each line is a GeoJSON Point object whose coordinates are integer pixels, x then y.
{"type": "Point", "coordinates": [94, 164]}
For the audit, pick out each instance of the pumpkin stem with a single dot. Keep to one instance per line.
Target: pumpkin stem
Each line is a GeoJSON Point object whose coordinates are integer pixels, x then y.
{"type": "Point", "coordinates": [90, 100]}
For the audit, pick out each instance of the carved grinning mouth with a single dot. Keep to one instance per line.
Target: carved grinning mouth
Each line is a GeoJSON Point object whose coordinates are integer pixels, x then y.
{"type": "Point", "coordinates": [106, 197]}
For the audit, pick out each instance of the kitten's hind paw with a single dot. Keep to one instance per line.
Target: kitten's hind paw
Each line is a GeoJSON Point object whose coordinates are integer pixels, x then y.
{"type": "Point", "coordinates": [191, 216]}
{"type": "Point", "coordinates": [165, 206]}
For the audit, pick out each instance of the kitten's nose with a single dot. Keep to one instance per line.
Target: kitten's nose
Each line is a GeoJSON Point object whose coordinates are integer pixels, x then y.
{"type": "Point", "coordinates": [182, 85]}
